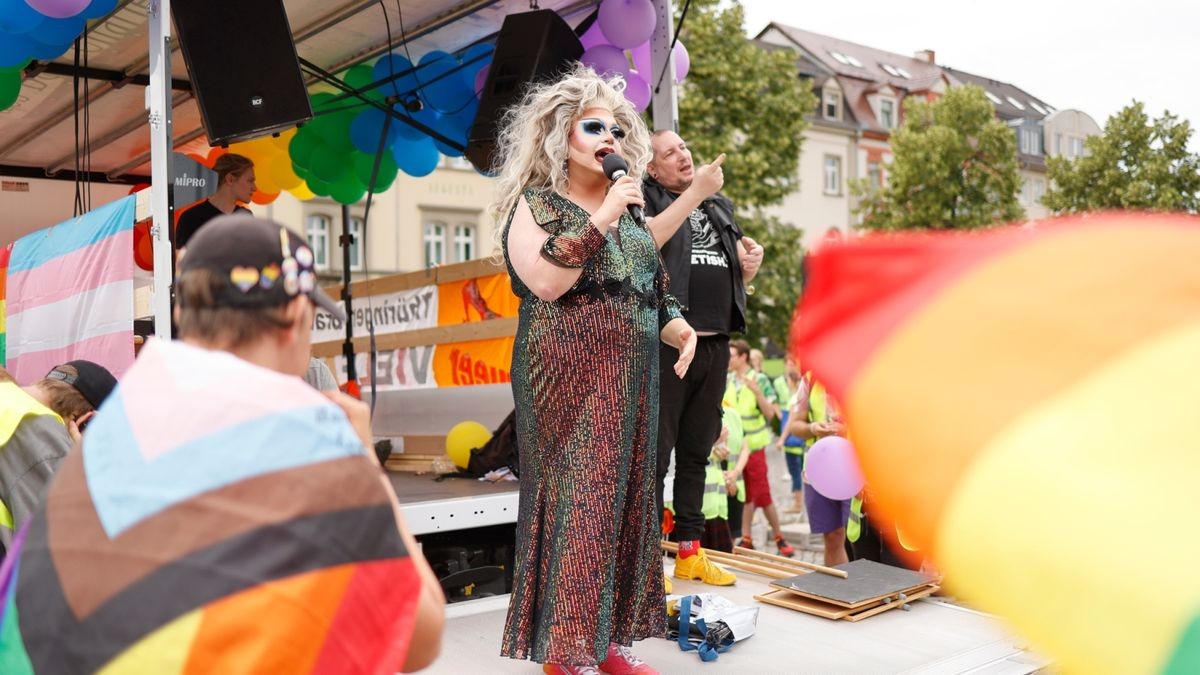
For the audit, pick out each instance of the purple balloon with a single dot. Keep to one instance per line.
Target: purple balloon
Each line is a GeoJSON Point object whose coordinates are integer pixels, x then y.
{"type": "Point", "coordinates": [606, 60]}
{"type": "Point", "coordinates": [683, 62]}
{"type": "Point", "coordinates": [481, 80]}
{"type": "Point", "coordinates": [641, 57]}
{"type": "Point", "coordinates": [59, 9]}
{"type": "Point", "coordinates": [627, 23]}
{"type": "Point", "coordinates": [593, 36]}
{"type": "Point", "coordinates": [637, 90]}
{"type": "Point", "coordinates": [641, 60]}
{"type": "Point", "coordinates": [831, 467]}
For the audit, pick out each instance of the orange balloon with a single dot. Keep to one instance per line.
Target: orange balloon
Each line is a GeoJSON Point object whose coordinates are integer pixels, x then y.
{"type": "Point", "coordinates": [264, 197]}
{"type": "Point", "coordinates": [213, 155]}
{"type": "Point", "coordinates": [143, 246]}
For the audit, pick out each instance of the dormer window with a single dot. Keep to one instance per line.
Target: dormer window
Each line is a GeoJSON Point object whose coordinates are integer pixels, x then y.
{"type": "Point", "coordinates": [831, 106]}
{"type": "Point", "coordinates": [887, 113]}
{"type": "Point", "coordinates": [1015, 103]}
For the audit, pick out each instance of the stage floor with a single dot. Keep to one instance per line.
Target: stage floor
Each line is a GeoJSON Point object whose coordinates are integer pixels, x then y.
{"type": "Point", "coordinates": [934, 637]}
{"type": "Point", "coordinates": [451, 504]}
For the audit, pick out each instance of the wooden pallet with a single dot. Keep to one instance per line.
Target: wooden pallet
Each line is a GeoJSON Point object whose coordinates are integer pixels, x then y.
{"type": "Point", "coordinates": [829, 610]}
{"type": "Point", "coordinates": [870, 588]}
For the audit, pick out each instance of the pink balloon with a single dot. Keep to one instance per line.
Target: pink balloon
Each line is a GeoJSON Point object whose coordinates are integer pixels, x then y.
{"type": "Point", "coordinates": [606, 59]}
{"type": "Point", "coordinates": [481, 80]}
{"type": "Point", "coordinates": [683, 62]}
{"type": "Point", "coordinates": [831, 467]}
{"type": "Point", "coordinates": [593, 36]}
{"type": "Point", "coordinates": [637, 90]}
{"type": "Point", "coordinates": [59, 9]}
{"type": "Point", "coordinates": [627, 23]}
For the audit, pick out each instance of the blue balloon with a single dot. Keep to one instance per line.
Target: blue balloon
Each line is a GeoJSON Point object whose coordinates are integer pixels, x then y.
{"type": "Point", "coordinates": [48, 52]}
{"type": "Point", "coordinates": [416, 158]}
{"type": "Point", "coordinates": [367, 127]}
{"type": "Point", "coordinates": [15, 50]}
{"type": "Point", "coordinates": [17, 17]}
{"type": "Point", "coordinates": [456, 127]}
{"type": "Point", "coordinates": [443, 86]}
{"type": "Point", "coordinates": [426, 116]}
{"type": "Point", "coordinates": [58, 31]}
{"type": "Point", "coordinates": [400, 66]}
{"type": "Point", "coordinates": [98, 8]}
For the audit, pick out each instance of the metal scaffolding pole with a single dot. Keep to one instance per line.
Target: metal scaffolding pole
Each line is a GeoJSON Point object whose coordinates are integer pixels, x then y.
{"type": "Point", "coordinates": [158, 103]}
{"type": "Point", "coordinates": [664, 104]}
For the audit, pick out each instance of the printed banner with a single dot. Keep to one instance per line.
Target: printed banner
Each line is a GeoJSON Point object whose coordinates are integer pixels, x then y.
{"type": "Point", "coordinates": [407, 368]}
{"type": "Point", "coordinates": [477, 362]}
{"type": "Point", "coordinates": [69, 294]}
{"type": "Point", "coordinates": [478, 299]}
{"type": "Point", "coordinates": [391, 313]}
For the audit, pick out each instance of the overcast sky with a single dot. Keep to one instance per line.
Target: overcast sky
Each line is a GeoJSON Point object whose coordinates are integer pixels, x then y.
{"type": "Point", "coordinates": [1096, 56]}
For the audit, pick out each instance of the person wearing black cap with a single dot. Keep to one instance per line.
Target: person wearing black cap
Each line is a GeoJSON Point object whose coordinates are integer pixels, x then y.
{"type": "Point", "coordinates": [38, 424]}
{"type": "Point", "coordinates": [249, 478]}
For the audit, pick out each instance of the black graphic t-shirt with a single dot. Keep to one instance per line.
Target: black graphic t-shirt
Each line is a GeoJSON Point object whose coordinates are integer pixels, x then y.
{"type": "Point", "coordinates": [710, 287]}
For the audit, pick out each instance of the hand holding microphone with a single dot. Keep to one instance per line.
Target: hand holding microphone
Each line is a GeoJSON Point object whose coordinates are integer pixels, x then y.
{"type": "Point", "coordinates": [624, 189]}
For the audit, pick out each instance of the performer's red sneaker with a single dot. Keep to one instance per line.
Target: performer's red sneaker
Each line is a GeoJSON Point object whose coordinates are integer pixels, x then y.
{"type": "Point", "coordinates": [621, 661]}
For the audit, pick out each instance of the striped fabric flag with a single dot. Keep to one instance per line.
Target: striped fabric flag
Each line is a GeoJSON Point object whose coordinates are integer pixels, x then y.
{"type": "Point", "coordinates": [220, 518]}
{"type": "Point", "coordinates": [69, 294]}
{"type": "Point", "coordinates": [1024, 405]}
{"type": "Point", "coordinates": [5, 254]}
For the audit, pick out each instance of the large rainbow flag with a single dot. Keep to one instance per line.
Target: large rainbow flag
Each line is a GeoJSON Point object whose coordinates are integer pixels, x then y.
{"type": "Point", "coordinates": [219, 518]}
{"type": "Point", "coordinates": [69, 294]}
{"type": "Point", "coordinates": [1024, 403]}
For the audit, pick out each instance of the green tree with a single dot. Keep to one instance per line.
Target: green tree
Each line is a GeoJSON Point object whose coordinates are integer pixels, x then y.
{"type": "Point", "coordinates": [954, 166]}
{"type": "Point", "coordinates": [749, 103]}
{"type": "Point", "coordinates": [1137, 164]}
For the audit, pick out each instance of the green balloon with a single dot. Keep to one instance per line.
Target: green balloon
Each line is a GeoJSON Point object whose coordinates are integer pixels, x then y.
{"type": "Point", "coordinates": [359, 77]}
{"type": "Point", "coordinates": [329, 164]}
{"type": "Point", "coordinates": [10, 88]}
{"type": "Point", "coordinates": [363, 163]}
{"type": "Point", "coordinates": [318, 187]}
{"type": "Point", "coordinates": [348, 190]}
{"type": "Point", "coordinates": [302, 146]}
{"type": "Point", "coordinates": [334, 129]}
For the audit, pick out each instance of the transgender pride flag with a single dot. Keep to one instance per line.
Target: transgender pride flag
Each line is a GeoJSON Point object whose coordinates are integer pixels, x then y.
{"type": "Point", "coordinates": [69, 294]}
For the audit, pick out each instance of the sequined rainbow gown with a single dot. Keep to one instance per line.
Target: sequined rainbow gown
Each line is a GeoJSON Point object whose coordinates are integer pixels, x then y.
{"type": "Point", "coordinates": [585, 381]}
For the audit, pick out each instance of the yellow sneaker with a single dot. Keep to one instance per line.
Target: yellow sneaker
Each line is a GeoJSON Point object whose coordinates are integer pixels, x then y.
{"type": "Point", "coordinates": [698, 566]}
{"type": "Point", "coordinates": [666, 584]}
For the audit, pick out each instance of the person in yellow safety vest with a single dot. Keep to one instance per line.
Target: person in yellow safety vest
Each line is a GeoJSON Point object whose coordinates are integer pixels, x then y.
{"type": "Point", "coordinates": [827, 517]}
{"type": "Point", "coordinates": [38, 426]}
{"type": "Point", "coordinates": [751, 394]}
{"type": "Point", "coordinates": [793, 446]}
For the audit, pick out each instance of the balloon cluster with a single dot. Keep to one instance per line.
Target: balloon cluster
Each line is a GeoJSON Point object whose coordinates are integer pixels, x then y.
{"type": "Point", "coordinates": [334, 155]}
{"type": "Point", "coordinates": [39, 29]}
{"type": "Point", "coordinates": [272, 168]}
{"type": "Point", "coordinates": [627, 25]}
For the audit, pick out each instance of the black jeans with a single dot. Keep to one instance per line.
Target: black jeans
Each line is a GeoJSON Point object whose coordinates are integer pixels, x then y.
{"type": "Point", "coordinates": [689, 420]}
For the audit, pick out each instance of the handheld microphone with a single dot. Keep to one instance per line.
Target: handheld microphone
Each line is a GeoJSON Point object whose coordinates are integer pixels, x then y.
{"type": "Point", "coordinates": [615, 167]}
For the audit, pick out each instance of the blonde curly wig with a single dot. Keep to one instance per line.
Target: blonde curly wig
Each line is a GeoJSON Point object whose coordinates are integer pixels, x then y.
{"type": "Point", "coordinates": [533, 141]}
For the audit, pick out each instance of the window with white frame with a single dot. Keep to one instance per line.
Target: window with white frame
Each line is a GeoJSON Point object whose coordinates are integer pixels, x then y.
{"type": "Point", "coordinates": [464, 242]}
{"type": "Point", "coordinates": [435, 243]}
{"type": "Point", "coordinates": [887, 113]}
{"type": "Point", "coordinates": [1077, 149]}
{"type": "Point", "coordinates": [875, 174]}
{"type": "Point", "coordinates": [1058, 148]}
{"type": "Point", "coordinates": [1039, 189]}
{"type": "Point", "coordinates": [1031, 141]}
{"type": "Point", "coordinates": [318, 239]}
{"type": "Point", "coordinates": [833, 175]}
{"type": "Point", "coordinates": [833, 104]}
{"type": "Point", "coordinates": [355, 230]}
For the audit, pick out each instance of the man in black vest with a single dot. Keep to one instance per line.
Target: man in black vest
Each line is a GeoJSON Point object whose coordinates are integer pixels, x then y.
{"type": "Point", "coordinates": [711, 264]}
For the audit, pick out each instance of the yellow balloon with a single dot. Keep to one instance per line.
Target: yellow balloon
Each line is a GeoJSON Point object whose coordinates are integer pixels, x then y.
{"type": "Point", "coordinates": [302, 192]}
{"type": "Point", "coordinates": [464, 437]}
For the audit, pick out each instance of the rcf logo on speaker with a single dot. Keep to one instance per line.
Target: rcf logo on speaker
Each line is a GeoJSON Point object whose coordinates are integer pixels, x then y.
{"type": "Point", "coordinates": [256, 101]}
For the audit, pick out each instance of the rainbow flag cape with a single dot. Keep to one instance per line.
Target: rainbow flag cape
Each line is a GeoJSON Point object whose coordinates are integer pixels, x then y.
{"type": "Point", "coordinates": [5, 254]}
{"type": "Point", "coordinates": [219, 518]}
{"type": "Point", "coordinates": [1024, 405]}
{"type": "Point", "coordinates": [69, 294]}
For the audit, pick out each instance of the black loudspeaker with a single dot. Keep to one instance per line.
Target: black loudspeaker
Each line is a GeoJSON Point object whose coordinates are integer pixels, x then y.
{"type": "Point", "coordinates": [532, 46]}
{"type": "Point", "coordinates": [243, 68]}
